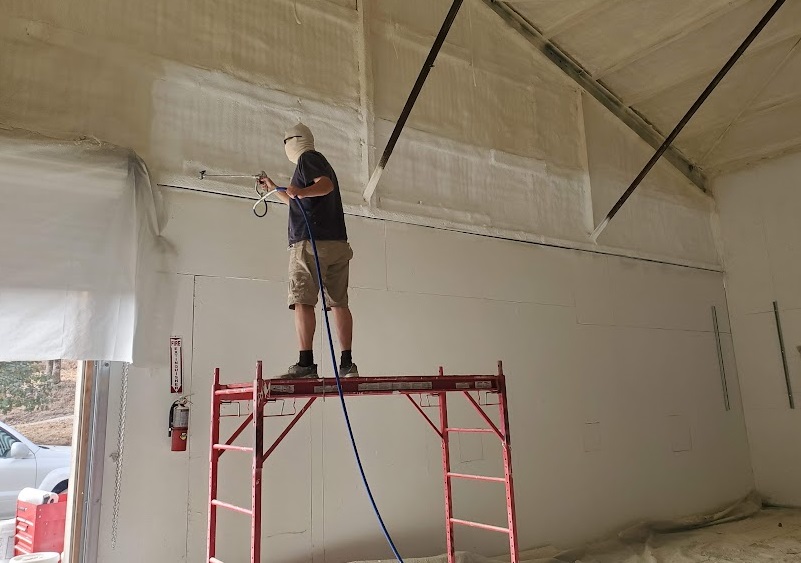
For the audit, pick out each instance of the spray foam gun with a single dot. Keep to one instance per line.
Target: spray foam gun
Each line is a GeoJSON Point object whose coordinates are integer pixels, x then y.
{"type": "Point", "coordinates": [259, 192]}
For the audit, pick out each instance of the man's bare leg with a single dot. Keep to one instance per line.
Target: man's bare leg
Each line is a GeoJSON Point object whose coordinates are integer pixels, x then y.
{"type": "Point", "coordinates": [304, 326]}
{"type": "Point", "coordinates": [305, 323]}
{"type": "Point", "coordinates": [344, 322]}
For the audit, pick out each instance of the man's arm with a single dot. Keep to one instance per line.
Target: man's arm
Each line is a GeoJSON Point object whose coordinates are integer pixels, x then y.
{"type": "Point", "coordinates": [282, 196]}
{"type": "Point", "coordinates": [321, 186]}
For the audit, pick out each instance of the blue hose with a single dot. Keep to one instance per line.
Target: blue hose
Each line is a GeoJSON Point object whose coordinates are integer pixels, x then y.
{"type": "Point", "coordinates": [339, 387]}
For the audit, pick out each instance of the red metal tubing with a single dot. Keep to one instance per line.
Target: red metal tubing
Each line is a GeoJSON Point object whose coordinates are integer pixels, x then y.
{"type": "Point", "coordinates": [472, 430]}
{"type": "Point", "coordinates": [233, 507]}
{"type": "Point", "coordinates": [211, 531]}
{"type": "Point", "coordinates": [246, 386]}
{"type": "Point", "coordinates": [480, 525]}
{"type": "Point", "coordinates": [224, 447]}
{"type": "Point", "coordinates": [378, 386]}
{"type": "Point", "coordinates": [289, 427]}
{"type": "Point", "coordinates": [239, 394]}
{"type": "Point", "coordinates": [506, 450]}
{"type": "Point", "coordinates": [455, 378]}
{"type": "Point", "coordinates": [424, 415]}
{"type": "Point", "coordinates": [483, 414]}
{"type": "Point", "coordinates": [446, 469]}
{"type": "Point", "coordinates": [389, 385]}
{"type": "Point", "coordinates": [477, 477]}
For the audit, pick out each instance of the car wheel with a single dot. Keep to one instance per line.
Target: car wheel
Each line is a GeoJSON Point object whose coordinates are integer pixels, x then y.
{"type": "Point", "coordinates": [61, 487]}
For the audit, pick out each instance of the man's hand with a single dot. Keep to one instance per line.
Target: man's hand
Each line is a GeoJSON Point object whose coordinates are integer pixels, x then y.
{"type": "Point", "coordinates": [294, 192]}
{"type": "Point", "coordinates": [265, 180]}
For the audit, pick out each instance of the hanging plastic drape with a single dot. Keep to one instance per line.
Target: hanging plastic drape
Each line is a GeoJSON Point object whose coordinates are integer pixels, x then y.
{"type": "Point", "coordinates": [78, 231]}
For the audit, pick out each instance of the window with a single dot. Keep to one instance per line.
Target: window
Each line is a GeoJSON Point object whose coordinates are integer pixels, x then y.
{"type": "Point", "coordinates": [6, 441]}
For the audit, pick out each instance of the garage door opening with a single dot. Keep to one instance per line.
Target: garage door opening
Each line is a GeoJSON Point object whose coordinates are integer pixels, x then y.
{"type": "Point", "coordinates": [37, 407]}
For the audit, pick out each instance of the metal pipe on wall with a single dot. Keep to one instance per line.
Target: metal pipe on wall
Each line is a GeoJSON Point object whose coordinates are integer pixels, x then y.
{"type": "Point", "coordinates": [784, 355]}
{"type": "Point", "coordinates": [721, 364]}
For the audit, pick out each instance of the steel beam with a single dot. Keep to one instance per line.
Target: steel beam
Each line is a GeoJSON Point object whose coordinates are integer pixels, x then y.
{"type": "Point", "coordinates": [744, 159]}
{"type": "Point", "coordinates": [787, 381]}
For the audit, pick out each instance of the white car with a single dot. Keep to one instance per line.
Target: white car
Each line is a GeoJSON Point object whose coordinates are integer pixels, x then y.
{"type": "Point", "coordinates": [25, 464]}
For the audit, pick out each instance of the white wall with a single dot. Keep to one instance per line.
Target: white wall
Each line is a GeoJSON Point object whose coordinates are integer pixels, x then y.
{"type": "Point", "coordinates": [761, 236]}
{"type": "Point", "coordinates": [499, 140]}
{"type": "Point", "coordinates": [616, 405]}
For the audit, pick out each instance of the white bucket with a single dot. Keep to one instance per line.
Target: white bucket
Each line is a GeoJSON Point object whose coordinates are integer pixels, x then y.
{"type": "Point", "coordinates": [48, 557]}
{"type": "Point", "coordinates": [7, 530]}
{"type": "Point", "coordinates": [43, 557]}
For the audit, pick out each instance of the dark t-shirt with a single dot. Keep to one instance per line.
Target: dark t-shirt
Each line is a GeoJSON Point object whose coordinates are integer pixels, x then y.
{"type": "Point", "coordinates": [325, 212]}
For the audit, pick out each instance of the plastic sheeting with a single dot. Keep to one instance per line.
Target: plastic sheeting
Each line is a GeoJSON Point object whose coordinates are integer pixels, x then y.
{"type": "Point", "coordinates": [741, 533]}
{"type": "Point", "coordinates": [77, 223]}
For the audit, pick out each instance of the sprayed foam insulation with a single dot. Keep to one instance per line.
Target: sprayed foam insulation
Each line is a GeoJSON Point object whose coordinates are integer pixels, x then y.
{"type": "Point", "coordinates": [774, 132]}
{"type": "Point", "coordinates": [495, 143]}
{"type": "Point", "coordinates": [258, 118]}
{"type": "Point", "coordinates": [93, 70]}
{"type": "Point", "coordinates": [550, 13]}
{"type": "Point", "coordinates": [477, 36]}
{"type": "Point", "coordinates": [240, 38]}
{"type": "Point", "coordinates": [640, 20]}
{"type": "Point", "coordinates": [481, 186]}
{"type": "Point", "coordinates": [513, 158]}
{"type": "Point", "coordinates": [465, 98]}
{"type": "Point", "coordinates": [658, 57]}
{"type": "Point", "coordinates": [785, 85]}
{"type": "Point", "coordinates": [680, 61]}
{"type": "Point", "coordinates": [745, 81]}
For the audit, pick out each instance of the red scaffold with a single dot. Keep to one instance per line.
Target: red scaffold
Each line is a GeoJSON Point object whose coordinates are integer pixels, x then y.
{"type": "Point", "coordinates": [262, 391]}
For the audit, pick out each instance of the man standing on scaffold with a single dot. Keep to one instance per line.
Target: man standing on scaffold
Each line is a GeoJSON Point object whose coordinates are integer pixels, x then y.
{"type": "Point", "coordinates": [314, 185]}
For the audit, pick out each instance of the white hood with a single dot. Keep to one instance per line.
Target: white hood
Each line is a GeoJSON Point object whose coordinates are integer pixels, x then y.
{"type": "Point", "coordinates": [297, 140]}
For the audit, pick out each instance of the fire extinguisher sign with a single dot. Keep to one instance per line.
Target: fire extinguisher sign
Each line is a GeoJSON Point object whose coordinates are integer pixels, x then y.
{"type": "Point", "coordinates": [176, 365]}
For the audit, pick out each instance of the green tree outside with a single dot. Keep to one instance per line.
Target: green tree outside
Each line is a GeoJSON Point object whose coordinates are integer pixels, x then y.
{"type": "Point", "coordinates": [24, 384]}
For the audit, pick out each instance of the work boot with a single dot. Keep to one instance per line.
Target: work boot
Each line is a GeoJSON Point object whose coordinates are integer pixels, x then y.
{"type": "Point", "coordinates": [297, 371]}
{"type": "Point", "coordinates": [349, 371]}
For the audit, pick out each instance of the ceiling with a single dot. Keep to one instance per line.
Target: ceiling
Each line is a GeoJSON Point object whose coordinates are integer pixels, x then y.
{"type": "Point", "coordinates": [657, 57]}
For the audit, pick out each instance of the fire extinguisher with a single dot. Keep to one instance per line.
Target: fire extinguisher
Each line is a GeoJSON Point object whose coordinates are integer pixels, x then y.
{"type": "Point", "coordinates": [179, 424]}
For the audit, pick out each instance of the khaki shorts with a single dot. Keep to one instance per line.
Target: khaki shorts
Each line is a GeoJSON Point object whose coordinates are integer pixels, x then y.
{"type": "Point", "coordinates": [335, 256]}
